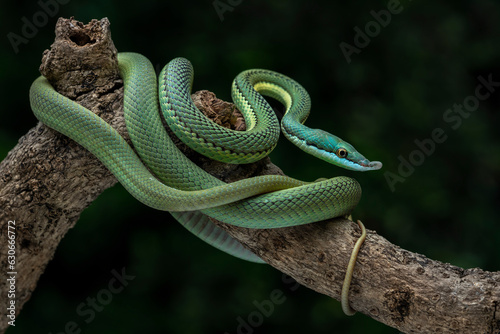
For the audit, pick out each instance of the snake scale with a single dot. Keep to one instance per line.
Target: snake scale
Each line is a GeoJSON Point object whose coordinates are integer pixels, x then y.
{"type": "Point", "coordinates": [160, 176]}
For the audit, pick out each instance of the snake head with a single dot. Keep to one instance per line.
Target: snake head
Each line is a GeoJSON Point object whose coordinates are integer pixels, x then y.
{"type": "Point", "coordinates": [348, 157]}
{"type": "Point", "coordinates": [336, 151]}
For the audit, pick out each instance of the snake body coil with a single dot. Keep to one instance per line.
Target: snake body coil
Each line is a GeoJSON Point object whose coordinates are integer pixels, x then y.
{"type": "Point", "coordinates": [178, 185]}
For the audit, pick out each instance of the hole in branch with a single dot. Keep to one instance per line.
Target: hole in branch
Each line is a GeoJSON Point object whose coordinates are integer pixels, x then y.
{"type": "Point", "coordinates": [81, 38]}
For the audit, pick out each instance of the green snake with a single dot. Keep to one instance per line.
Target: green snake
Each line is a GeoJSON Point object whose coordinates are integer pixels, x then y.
{"type": "Point", "coordinates": [160, 176]}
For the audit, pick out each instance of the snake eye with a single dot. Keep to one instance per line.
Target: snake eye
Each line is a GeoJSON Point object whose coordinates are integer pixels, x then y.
{"type": "Point", "coordinates": [341, 153]}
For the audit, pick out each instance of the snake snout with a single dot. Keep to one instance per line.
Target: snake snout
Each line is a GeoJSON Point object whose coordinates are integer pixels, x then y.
{"type": "Point", "coordinates": [375, 165]}
{"type": "Point", "coordinates": [370, 165]}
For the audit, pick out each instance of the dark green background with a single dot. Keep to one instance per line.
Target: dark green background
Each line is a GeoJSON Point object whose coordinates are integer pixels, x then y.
{"type": "Point", "coordinates": [394, 92]}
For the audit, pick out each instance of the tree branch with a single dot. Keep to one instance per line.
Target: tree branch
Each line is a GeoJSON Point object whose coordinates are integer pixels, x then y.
{"type": "Point", "coordinates": [48, 180]}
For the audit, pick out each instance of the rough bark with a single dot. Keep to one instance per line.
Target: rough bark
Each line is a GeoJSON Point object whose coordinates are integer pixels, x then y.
{"type": "Point", "coordinates": [47, 180]}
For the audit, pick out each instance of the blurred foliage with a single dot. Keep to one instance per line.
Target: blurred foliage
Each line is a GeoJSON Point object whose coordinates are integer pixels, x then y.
{"type": "Point", "coordinates": [394, 91]}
